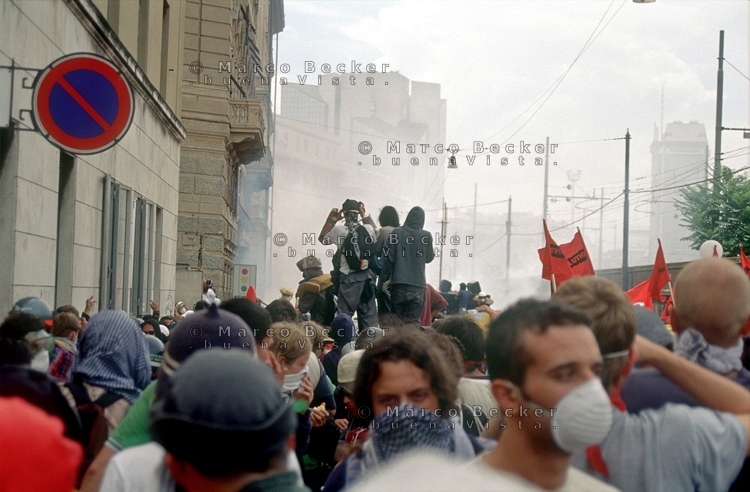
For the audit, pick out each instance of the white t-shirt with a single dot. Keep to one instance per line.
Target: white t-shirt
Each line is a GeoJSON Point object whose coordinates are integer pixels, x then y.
{"type": "Point", "coordinates": [142, 468]}
{"type": "Point", "coordinates": [577, 481]}
{"type": "Point", "coordinates": [427, 472]}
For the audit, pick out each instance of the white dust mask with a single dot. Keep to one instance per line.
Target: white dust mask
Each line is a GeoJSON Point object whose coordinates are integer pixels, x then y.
{"type": "Point", "coordinates": [582, 418]}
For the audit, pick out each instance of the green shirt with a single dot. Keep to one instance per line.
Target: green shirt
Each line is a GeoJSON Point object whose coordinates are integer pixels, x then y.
{"type": "Point", "coordinates": [133, 428]}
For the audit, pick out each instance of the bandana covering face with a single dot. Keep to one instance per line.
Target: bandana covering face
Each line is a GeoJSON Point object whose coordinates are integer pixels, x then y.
{"type": "Point", "coordinates": [407, 427]}
{"type": "Point", "coordinates": [112, 354]}
{"type": "Point", "coordinates": [694, 347]}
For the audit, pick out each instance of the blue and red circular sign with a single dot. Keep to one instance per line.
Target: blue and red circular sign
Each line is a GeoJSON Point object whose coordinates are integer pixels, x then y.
{"type": "Point", "coordinates": [82, 103]}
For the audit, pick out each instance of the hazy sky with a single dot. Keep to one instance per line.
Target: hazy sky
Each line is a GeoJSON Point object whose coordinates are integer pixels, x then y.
{"type": "Point", "coordinates": [573, 71]}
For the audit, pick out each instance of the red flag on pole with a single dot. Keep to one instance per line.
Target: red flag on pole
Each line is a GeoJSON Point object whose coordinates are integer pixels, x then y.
{"type": "Point", "coordinates": [554, 261]}
{"type": "Point", "coordinates": [641, 293]}
{"type": "Point", "coordinates": [578, 256]}
{"type": "Point", "coordinates": [660, 274]}
{"type": "Point", "coordinates": [744, 262]}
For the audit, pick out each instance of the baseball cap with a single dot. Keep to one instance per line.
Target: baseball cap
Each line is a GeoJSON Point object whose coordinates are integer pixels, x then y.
{"type": "Point", "coordinates": [347, 369]}
{"type": "Point", "coordinates": [222, 400]}
{"type": "Point", "coordinates": [210, 328]}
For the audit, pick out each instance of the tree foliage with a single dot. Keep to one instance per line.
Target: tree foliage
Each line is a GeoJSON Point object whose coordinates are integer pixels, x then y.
{"type": "Point", "coordinates": [719, 211]}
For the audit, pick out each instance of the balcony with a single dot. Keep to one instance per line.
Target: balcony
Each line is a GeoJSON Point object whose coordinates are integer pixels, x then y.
{"type": "Point", "coordinates": [247, 129]}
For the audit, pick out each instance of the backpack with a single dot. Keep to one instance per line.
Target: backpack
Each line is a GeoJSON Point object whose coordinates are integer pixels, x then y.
{"type": "Point", "coordinates": [94, 427]}
{"type": "Point", "coordinates": [358, 249]}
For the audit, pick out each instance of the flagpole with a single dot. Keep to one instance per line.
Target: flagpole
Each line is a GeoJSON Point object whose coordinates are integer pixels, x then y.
{"type": "Point", "coordinates": [671, 295]}
{"type": "Point", "coordinates": [554, 284]}
{"type": "Point", "coordinates": [626, 216]}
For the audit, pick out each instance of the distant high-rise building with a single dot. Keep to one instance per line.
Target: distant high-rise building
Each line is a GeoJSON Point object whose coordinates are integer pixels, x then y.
{"type": "Point", "coordinates": [337, 140]}
{"type": "Point", "coordinates": [679, 158]}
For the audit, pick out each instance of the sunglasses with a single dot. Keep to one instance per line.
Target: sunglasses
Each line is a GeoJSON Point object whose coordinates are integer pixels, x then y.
{"type": "Point", "coordinates": [149, 333]}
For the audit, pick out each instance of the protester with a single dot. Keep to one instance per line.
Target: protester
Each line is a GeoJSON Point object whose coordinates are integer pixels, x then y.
{"type": "Point", "coordinates": [49, 461]}
{"type": "Point", "coordinates": [222, 425]}
{"type": "Point", "coordinates": [40, 309]}
{"type": "Point", "coordinates": [529, 349]}
{"type": "Point", "coordinates": [473, 387]}
{"type": "Point", "coordinates": [65, 329]}
{"type": "Point", "coordinates": [463, 298]}
{"type": "Point", "coordinates": [355, 288]}
{"type": "Point", "coordinates": [209, 328]}
{"type": "Point", "coordinates": [315, 293]}
{"type": "Point", "coordinates": [407, 388]}
{"type": "Point", "coordinates": [352, 425]}
{"type": "Point", "coordinates": [409, 249]}
{"type": "Point", "coordinates": [712, 304]}
{"type": "Point", "coordinates": [21, 336]}
{"type": "Point", "coordinates": [388, 220]}
{"type": "Point", "coordinates": [112, 357]}
{"type": "Point", "coordinates": [342, 331]}
{"type": "Point", "coordinates": [433, 305]}
{"type": "Point", "coordinates": [281, 310]}
{"type": "Point", "coordinates": [676, 441]}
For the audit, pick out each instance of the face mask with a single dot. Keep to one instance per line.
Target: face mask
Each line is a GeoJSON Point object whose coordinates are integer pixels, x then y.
{"type": "Point", "coordinates": [582, 418]}
{"type": "Point", "coordinates": [40, 361]}
{"type": "Point", "coordinates": [408, 427]}
{"type": "Point", "coordinates": [293, 381]}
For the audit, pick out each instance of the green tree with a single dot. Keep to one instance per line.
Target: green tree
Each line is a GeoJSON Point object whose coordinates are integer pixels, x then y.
{"type": "Point", "coordinates": [722, 214]}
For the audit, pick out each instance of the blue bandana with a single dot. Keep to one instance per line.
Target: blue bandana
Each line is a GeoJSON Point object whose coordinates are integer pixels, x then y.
{"type": "Point", "coordinates": [112, 354]}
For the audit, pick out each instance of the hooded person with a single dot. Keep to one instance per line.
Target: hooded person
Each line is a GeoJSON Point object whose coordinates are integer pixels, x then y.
{"type": "Point", "coordinates": [342, 331]}
{"type": "Point", "coordinates": [314, 293]}
{"type": "Point", "coordinates": [112, 357]}
{"type": "Point", "coordinates": [409, 250]}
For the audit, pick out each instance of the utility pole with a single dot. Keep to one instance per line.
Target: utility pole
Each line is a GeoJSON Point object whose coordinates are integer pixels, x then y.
{"type": "Point", "coordinates": [474, 231]}
{"type": "Point", "coordinates": [719, 104]}
{"type": "Point", "coordinates": [601, 230]}
{"type": "Point", "coordinates": [507, 240]}
{"type": "Point", "coordinates": [626, 215]}
{"type": "Point", "coordinates": [443, 232]}
{"type": "Point", "coordinates": [546, 180]}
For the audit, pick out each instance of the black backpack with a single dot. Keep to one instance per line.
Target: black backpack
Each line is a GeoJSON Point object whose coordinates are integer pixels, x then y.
{"type": "Point", "coordinates": [358, 249]}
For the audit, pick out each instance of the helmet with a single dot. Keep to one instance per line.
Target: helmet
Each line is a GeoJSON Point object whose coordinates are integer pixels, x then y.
{"type": "Point", "coordinates": [35, 306]}
{"type": "Point", "coordinates": [180, 308]}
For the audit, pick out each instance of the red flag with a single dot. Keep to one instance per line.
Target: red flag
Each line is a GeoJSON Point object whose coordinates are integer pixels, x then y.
{"type": "Point", "coordinates": [641, 293]}
{"type": "Point", "coordinates": [554, 260]}
{"type": "Point", "coordinates": [716, 251]}
{"type": "Point", "coordinates": [660, 274]}
{"type": "Point", "coordinates": [744, 262]}
{"type": "Point", "coordinates": [250, 294]}
{"type": "Point", "coordinates": [578, 256]}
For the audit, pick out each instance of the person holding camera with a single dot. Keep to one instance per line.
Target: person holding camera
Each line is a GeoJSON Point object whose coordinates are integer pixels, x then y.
{"type": "Point", "coordinates": [355, 264]}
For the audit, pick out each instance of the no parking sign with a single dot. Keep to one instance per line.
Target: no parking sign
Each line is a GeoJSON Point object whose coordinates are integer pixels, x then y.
{"type": "Point", "coordinates": [82, 103]}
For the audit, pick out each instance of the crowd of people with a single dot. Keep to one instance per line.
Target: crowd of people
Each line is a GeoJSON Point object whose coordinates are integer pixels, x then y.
{"type": "Point", "coordinates": [365, 386]}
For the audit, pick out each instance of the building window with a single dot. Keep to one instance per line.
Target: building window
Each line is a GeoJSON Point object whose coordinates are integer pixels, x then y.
{"type": "Point", "coordinates": [128, 249]}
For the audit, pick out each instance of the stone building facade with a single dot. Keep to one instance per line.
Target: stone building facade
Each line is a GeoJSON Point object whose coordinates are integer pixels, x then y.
{"type": "Point", "coordinates": [225, 164]}
{"type": "Point", "coordinates": [73, 226]}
